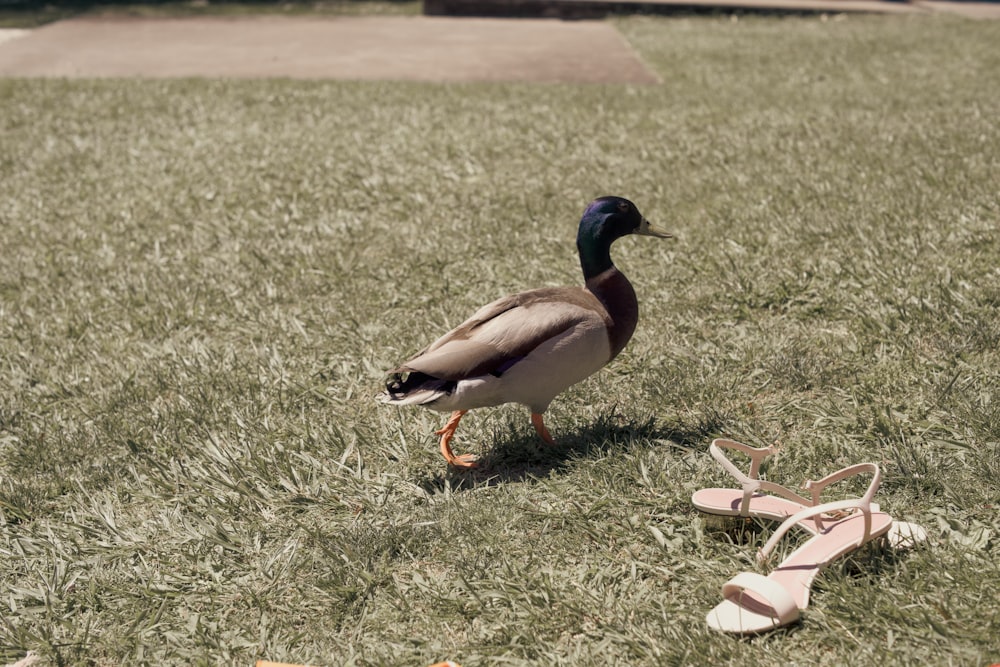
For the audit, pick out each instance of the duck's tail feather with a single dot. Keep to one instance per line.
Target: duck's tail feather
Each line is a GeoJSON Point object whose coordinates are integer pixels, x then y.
{"type": "Point", "coordinates": [415, 388]}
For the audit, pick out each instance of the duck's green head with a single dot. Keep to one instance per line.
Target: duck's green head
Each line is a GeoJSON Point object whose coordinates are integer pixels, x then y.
{"type": "Point", "coordinates": [606, 220]}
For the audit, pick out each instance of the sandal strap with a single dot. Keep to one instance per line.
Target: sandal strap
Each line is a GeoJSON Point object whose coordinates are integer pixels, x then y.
{"type": "Point", "coordinates": [864, 503]}
{"type": "Point", "coordinates": [751, 482]}
{"type": "Point", "coordinates": [816, 488]}
{"type": "Point", "coordinates": [774, 593]}
{"type": "Point", "coordinates": [859, 469]}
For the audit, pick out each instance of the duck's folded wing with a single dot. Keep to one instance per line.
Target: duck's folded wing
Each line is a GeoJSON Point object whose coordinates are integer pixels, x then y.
{"type": "Point", "coordinates": [503, 332]}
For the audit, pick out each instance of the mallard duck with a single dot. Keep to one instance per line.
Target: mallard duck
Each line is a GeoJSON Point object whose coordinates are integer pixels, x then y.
{"type": "Point", "coordinates": [529, 347]}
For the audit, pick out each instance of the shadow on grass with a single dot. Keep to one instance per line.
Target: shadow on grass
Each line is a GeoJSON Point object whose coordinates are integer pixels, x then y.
{"type": "Point", "coordinates": [516, 456]}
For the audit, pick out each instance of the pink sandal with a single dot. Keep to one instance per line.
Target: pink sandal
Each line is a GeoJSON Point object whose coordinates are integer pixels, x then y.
{"type": "Point", "coordinates": [754, 603]}
{"type": "Point", "coordinates": [751, 501]}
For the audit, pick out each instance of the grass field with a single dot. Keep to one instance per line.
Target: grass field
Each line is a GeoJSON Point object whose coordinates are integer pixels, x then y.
{"type": "Point", "coordinates": [203, 282]}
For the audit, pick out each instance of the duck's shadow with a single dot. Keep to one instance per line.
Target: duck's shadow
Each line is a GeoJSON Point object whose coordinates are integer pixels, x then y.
{"type": "Point", "coordinates": [517, 456]}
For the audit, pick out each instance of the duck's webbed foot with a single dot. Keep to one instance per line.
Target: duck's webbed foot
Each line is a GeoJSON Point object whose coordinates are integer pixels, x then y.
{"type": "Point", "coordinates": [465, 461]}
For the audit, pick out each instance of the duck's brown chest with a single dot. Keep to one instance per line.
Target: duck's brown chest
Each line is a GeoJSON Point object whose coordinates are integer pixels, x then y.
{"type": "Point", "coordinates": [615, 292]}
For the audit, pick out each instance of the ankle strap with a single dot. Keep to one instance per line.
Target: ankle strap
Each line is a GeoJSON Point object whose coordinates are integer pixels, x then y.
{"type": "Point", "coordinates": [864, 503]}
{"type": "Point", "coordinates": [816, 488]}
{"type": "Point", "coordinates": [751, 482]}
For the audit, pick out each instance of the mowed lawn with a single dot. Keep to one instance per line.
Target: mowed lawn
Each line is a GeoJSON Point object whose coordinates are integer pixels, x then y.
{"type": "Point", "coordinates": [202, 284]}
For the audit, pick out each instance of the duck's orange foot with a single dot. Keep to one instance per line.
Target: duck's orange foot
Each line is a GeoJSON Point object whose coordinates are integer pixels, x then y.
{"type": "Point", "coordinates": [539, 423]}
{"type": "Point", "coordinates": [465, 461]}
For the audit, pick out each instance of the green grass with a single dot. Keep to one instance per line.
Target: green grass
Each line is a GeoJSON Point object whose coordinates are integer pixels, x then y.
{"type": "Point", "coordinates": [203, 282]}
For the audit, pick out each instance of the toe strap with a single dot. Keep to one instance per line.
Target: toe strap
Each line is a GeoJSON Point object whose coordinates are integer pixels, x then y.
{"type": "Point", "coordinates": [776, 595]}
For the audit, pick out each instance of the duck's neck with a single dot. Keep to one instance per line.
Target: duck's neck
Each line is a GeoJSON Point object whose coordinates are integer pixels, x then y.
{"type": "Point", "coordinates": [615, 292]}
{"type": "Point", "coordinates": [607, 283]}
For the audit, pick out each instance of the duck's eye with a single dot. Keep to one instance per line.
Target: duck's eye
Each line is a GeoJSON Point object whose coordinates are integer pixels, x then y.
{"type": "Point", "coordinates": [623, 206]}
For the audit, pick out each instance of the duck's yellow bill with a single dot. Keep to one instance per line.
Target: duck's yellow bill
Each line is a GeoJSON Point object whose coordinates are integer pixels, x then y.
{"type": "Point", "coordinates": [647, 229]}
